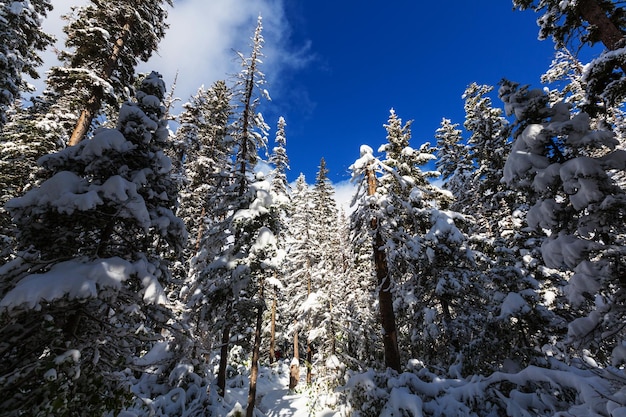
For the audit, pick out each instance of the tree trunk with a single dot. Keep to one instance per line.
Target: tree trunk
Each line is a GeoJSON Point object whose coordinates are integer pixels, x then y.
{"type": "Point", "coordinates": [610, 35]}
{"type": "Point", "coordinates": [273, 330]}
{"type": "Point", "coordinates": [333, 344]}
{"type": "Point", "coordinates": [309, 351]}
{"type": "Point", "coordinates": [294, 367]}
{"type": "Point", "coordinates": [95, 101]}
{"type": "Point", "coordinates": [385, 300]}
{"type": "Point", "coordinates": [221, 373]}
{"type": "Point", "coordinates": [200, 229]}
{"type": "Point", "coordinates": [254, 368]}
{"type": "Point", "coordinates": [309, 363]}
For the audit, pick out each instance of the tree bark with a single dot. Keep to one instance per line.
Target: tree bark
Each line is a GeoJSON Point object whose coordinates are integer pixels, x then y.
{"type": "Point", "coordinates": [294, 367]}
{"type": "Point", "coordinates": [254, 368]}
{"type": "Point", "coordinates": [221, 373]}
{"type": "Point", "coordinates": [610, 35]}
{"type": "Point", "coordinates": [385, 300]}
{"type": "Point", "coordinates": [309, 362]}
{"type": "Point", "coordinates": [95, 101]}
{"type": "Point", "coordinates": [273, 330]}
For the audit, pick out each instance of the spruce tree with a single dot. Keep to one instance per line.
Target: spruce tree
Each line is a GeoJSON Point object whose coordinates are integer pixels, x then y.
{"type": "Point", "coordinates": [88, 298]}
{"type": "Point", "coordinates": [105, 42]}
{"type": "Point", "coordinates": [574, 24]}
{"type": "Point", "coordinates": [299, 274]}
{"type": "Point", "coordinates": [21, 39]}
{"type": "Point", "coordinates": [567, 168]}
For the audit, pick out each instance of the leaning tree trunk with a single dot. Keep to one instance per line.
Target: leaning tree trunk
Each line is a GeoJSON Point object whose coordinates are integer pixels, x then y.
{"type": "Point", "coordinates": [385, 300]}
{"type": "Point", "coordinates": [92, 107]}
{"type": "Point", "coordinates": [254, 369]}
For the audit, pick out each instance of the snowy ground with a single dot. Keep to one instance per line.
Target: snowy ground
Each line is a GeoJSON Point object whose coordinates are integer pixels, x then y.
{"type": "Point", "coordinates": [273, 396]}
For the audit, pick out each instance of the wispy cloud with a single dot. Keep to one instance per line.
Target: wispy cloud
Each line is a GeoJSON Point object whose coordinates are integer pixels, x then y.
{"type": "Point", "coordinates": [344, 192]}
{"type": "Point", "coordinates": [202, 37]}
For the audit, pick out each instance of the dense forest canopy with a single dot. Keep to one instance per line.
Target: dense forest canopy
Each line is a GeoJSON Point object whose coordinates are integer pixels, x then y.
{"type": "Point", "coordinates": [149, 271]}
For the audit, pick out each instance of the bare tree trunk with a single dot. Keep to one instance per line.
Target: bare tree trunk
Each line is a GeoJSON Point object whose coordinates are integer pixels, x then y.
{"type": "Point", "coordinates": [95, 101]}
{"type": "Point", "coordinates": [294, 367]}
{"type": "Point", "coordinates": [273, 330]}
{"type": "Point", "coordinates": [221, 373]}
{"type": "Point", "coordinates": [385, 300]}
{"type": "Point", "coordinates": [254, 369]}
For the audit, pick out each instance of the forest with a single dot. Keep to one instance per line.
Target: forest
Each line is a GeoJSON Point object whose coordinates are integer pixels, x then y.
{"type": "Point", "coordinates": [151, 271]}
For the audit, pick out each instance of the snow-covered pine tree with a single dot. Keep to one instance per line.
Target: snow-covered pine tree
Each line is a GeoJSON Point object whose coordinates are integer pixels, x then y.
{"type": "Point", "coordinates": [364, 344]}
{"type": "Point", "coordinates": [566, 75]}
{"type": "Point", "coordinates": [427, 257]}
{"type": "Point", "coordinates": [21, 39]}
{"type": "Point", "coordinates": [297, 281]}
{"type": "Point", "coordinates": [105, 42]}
{"type": "Point", "coordinates": [281, 192]}
{"type": "Point", "coordinates": [453, 161]}
{"type": "Point", "coordinates": [203, 150]}
{"type": "Point", "coordinates": [23, 142]}
{"type": "Point", "coordinates": [569, 169]}
{"type": "Point", "coordinates": [240, 250]}
{"type": "Point", "coordinates": [575, 24]}
{"type": "Point", "coordinates": [326, 279]}
{"type": "Point", "coordinates": [87, 300]}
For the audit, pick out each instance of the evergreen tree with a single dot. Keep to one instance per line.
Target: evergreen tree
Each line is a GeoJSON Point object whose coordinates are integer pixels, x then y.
{"type": "Point", "coordinates": [567, 167]}
{"type": "Point", "coordinates": [106, 40]}
{"type": "Point", "coordinates": [281, 197]}
{"type": "Point", "coordinates": [567, 74]}
{"type": "Point", "coordinates": [453, 161]}
{"type": "Point", "coordinates": [88, 300]}
{"type": "Point", "coordinates": [507, 263]}
{"type": "Point", "coordinates": [203, 150]}
{"type": "Point", "coordinates": [424, 254]}
{"type": "Point", "coordinates": [326, 266]}
{"type": "Point", "coordinates": [24, 141]}
{"type": "Point", "coordinates": [239, 251]}
{"type": "Point", "coordinates": [589, 22]}
{"type": "Point", "coordinates": [21, 38]}
{"type": "Point", "coordinates": [299, 274]}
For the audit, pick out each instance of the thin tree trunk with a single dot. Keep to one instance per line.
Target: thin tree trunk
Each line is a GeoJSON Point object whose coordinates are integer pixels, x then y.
{"type": "Point", "coordinates": [309, 362]}
{"type": "Point", "coordinates": [221, 373]}
{"type": "Point", "coordinates": [273, 330]}
{"type": "Point", "coordinates": [254, 369]}
{"type": "Point", "coordinates": [309, 351]}
{"type": "Point", "coordinates": [294, 367]}
{"type": "Point", "coordinates": [95, 101]}
{"type": "Point", "coordinates": [333, 344]}
{"type": "Point", "coordinates": [385, 300]}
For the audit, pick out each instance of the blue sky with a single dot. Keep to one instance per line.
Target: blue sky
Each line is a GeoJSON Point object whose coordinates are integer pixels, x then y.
{"type": "Point", "coordinates": [336, 68]}
{"type": "Point", "coordinates": [416, 57]}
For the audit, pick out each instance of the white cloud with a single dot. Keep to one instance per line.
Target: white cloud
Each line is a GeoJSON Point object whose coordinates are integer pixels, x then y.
{"type": "Point", "coordinates": [201, 41]}
{"type": "Point", "coordinates": [344, 192]}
